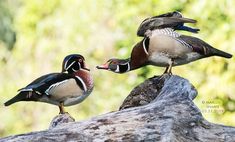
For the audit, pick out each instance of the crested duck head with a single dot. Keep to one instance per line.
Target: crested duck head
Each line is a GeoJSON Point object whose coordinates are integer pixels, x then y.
{"type": "Point", "coordinates": [116, 65]}
{"type": "Point", "coordinates": [74, 62]}
{"type": "Point", "coordinates": [139, 58]}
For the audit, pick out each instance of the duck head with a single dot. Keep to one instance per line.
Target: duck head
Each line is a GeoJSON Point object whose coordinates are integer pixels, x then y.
{"type": "Point", "coordinates": [139, 58]}
{"type": "Point", "coordinates": [116, 65]}
{"type": "Point", "coordinates": [74, 62]}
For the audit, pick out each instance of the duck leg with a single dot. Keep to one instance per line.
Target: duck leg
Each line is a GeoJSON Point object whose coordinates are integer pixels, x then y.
{"type": "Point", "coordinates": [166, 70]}
{"type": "Point", "coordinates": [170, 66]}
{"type": "Point", "coordinates": [61, 106]}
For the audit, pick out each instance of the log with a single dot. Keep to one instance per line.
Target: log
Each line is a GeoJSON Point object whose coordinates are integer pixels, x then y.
{"type": "Point", "coordinates": [159, 109]}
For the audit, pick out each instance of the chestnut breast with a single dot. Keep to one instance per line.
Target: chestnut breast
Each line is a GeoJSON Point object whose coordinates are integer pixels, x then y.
{"type": "Point", "coordinates": [87, 78]}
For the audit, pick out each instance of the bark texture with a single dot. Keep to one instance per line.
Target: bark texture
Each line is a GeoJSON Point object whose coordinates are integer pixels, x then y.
{"type": "Point", "coordinates": [159, 109]}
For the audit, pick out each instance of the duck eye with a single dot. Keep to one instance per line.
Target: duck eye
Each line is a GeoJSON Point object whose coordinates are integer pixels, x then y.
{"type": "Point", "coordinates": [80, 60]}
{"type": "Point", "coordinates": [114, 62]}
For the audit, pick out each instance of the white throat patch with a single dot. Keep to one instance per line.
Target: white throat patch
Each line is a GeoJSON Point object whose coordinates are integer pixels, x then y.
{"type": "Point", "coordinates": [117, 70]}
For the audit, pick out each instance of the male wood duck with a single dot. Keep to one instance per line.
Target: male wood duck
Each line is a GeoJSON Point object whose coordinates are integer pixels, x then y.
{"type": "Point", "coordinates": [163, 47]}
{"type": "Point", "coordinates": [67, 88]}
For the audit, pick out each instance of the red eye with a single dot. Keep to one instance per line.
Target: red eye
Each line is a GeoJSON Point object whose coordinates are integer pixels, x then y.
{"type": "Point", "coordinates": [80, 60]}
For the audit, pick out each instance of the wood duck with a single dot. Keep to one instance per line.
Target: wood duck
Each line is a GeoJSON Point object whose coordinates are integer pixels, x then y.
{"type": "Point", "coordinates": [67, 88]}
{"type": "Point", "coordinates": [174, 20]}
{"type": "Point", "coordinates": [163, 47]}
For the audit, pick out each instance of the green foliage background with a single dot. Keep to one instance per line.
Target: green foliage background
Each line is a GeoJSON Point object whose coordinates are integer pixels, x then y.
{"type": "Point", "coordinates": [36, 35]}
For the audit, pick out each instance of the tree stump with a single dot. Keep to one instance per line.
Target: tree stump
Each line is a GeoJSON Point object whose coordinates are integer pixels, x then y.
{"type": "Point", "coordinates": [159, 109]}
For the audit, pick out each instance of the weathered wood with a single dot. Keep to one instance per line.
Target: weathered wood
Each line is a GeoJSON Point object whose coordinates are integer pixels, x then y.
{"type": "Point", "coordinates": [160, 109]}
{"type": "Point", "coordinates": [61, 119]}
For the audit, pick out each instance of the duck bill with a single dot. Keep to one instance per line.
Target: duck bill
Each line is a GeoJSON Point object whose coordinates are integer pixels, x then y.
{"type": "Point", "coordinates": [86, 69]}
{"type": "Point", "coordinates": [103, 67]}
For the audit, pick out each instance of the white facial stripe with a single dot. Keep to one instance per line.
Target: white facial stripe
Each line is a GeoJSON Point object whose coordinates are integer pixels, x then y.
{"type": "Point", "coordinates": [54, 86]}
{"type": "Point", "coordinates": [67, 62]}
{"type": "Point", "coordinates": [79, 65]}
{"type": "Point", "coordinates": [145, 50]}
{"type": "Point", "coordinates": [117, 70]}
{"type": "Point", "coordinates": [128, 67]}
{"type": "Point", "coordinates": [83, 83]}
{"type": "Point", "coordinates": [78, 69]}
{"type": "Point", "coordinates": [70, 65]}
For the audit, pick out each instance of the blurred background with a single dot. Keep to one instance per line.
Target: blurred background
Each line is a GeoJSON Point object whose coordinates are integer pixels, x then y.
{"type": "Point", "coordinates": [36, 35]}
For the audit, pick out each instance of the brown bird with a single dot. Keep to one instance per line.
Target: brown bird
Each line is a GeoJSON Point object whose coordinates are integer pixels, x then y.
{"type": "Point", "coordinates": [164, 47]}
{"type": "Point", "coordinates": [67, 88]}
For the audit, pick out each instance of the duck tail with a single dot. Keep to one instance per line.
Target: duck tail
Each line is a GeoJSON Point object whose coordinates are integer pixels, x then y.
{"type": "Point", "coordinates": [220, 53]}
{"type": "Point", "coordinates": [21, 96]}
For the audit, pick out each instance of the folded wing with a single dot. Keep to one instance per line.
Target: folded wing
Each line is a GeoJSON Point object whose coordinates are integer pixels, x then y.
{"type": "Point", "coordinates": [202, 47]}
